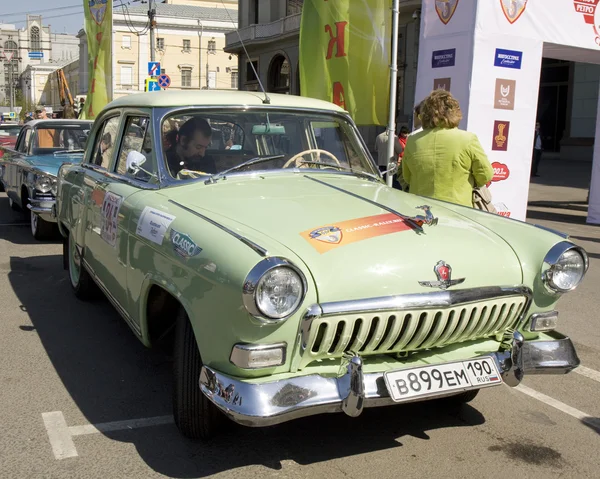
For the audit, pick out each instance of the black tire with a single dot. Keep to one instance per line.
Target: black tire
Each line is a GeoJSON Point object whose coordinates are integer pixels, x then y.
{"type": "Point", "coordinates": [82, 284]}
{"type": "Point", "coordinates": [195, 416]}
{"type": "Point", "coordinates": [41, 229]}
{"type": "Point", "coordinates": [13, 205]}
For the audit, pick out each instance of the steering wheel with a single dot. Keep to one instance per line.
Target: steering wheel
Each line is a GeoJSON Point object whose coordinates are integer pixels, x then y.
{"type": "Point", "coordinates": [294, 158]}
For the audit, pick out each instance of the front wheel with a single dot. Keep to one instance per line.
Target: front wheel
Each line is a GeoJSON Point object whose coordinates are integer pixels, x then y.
{"type": "Point", "coordinates": [195, 416]}
{"type": "Point", "coordinates": [40, 229]}
{"type": "Point", "coordinates": [82, 283]}
{"type": "Point", "coordinates": [13, 205]}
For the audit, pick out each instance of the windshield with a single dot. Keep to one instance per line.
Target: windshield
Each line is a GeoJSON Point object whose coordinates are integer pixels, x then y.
{"type": "Point", "coordinates": [201, 143]}
{"type": "Point", "coordinates": [61, 137]}
{"type": "Point", "coordinates": [10, 130]}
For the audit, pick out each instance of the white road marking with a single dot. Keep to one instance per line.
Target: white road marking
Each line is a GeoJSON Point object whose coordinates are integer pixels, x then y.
{"type": "Point", "coordinates": [120, 425]}
{"type": "Point", "coordinates": [588, 373]}
{"type": "Point", "coordinates": [555, 403]}
{"type": "Point", "coordinates": [61, 435]}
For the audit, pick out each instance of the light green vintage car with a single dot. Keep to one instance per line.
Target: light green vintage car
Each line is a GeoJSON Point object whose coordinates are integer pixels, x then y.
{"type": "Point", "coordinates": [256, 235]}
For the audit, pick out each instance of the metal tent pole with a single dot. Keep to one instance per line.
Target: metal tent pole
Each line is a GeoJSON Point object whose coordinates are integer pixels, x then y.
{"type": "Point", "coordinates": [393, 83]}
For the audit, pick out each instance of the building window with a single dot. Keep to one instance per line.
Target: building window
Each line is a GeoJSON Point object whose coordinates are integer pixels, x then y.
{"type": "Point", "coordinates": [126, 75]}
{"type": "Point", "coordinates": [234, 79]}
{"type": "Point", "coordinates": [254, 13]}
{"type": "Point", "coordinates": [212, 79]}
{"type": "Point", "coordinates": [35, 44]}
{"type": "Point", "coordinates": [212, 47]}
{"type": "Point", "coordinates": [279, 75]}
{"type": "Point", "coordinates": [126, 42]}
{"type": "Point", "coordinates": [160, 43]}
{"type": "Point", "coordinates": [294, 7]}
{"type": "Point", "coordinates": [250, 76]}
{"type": "Point", "coordinates": [187, 46]}
{"type": "Point", "coordinates": [186, 78]}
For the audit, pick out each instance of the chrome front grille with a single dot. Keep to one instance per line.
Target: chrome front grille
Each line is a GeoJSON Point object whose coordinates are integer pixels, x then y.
{"type": "Point", "coordinates": [404, 330]}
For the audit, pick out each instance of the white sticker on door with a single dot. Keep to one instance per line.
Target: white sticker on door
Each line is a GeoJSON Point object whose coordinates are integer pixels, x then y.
{"type": "Point", "coordinates": [110, 216]}
{"type": "Point", "coordinates": [153, 224]}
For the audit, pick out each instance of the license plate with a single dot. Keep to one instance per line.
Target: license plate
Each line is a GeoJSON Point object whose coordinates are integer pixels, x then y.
{"type": "Point", "coordinates": [434, 380]}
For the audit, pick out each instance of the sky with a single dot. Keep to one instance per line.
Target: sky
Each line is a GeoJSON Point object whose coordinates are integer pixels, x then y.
{"type": "Point", "coordinates": [63, 16]}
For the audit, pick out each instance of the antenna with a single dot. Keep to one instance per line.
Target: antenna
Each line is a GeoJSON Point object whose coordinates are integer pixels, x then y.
{"type": "Point", "coordinates": [267, 100]}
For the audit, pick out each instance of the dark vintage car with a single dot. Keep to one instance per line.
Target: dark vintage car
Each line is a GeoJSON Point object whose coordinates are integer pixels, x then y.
{"type": "Point", "coordinates": [28, 170]}
{"type": "Point", "coordinates": [8, 134]}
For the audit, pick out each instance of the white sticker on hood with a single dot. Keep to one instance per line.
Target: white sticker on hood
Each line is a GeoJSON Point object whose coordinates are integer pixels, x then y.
{"type": "Point", "coordinates": [153, 224]}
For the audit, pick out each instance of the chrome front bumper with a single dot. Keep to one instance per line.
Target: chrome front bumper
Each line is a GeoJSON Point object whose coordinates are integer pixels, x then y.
{"type": "Point", "coordinates": [45, 209]}
{"type": "Point", "coordinates": [275, 402]}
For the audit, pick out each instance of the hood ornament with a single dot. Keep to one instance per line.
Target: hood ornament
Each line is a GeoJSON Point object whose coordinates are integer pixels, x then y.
{"type": "Point", "coordinates": [443, 272]}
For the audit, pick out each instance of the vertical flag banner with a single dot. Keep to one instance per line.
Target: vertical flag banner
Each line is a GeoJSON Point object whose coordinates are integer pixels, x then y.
{"type": "Point", "coordinates": [345, 55]}
{"type": "Point", "coordinates": [98, 28]}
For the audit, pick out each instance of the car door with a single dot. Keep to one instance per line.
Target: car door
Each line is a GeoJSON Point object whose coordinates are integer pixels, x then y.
{"type": "Point", "coordinates": [15, 164]}
{"type": "Point", "coordinates": [112, 185]}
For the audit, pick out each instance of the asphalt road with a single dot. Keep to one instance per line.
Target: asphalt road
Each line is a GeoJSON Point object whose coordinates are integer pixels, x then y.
{"type": "Point", "coordinates": [64, 360]}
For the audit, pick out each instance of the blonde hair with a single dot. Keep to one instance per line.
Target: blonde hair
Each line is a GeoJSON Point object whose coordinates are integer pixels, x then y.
{"type": "Point", "coordinates": [440, 110]}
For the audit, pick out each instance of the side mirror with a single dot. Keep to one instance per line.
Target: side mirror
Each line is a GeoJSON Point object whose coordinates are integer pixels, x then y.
{"type": "Point", "coordinates": [134, 161]}
{"type": "Point", "coordinates": [392, 168]}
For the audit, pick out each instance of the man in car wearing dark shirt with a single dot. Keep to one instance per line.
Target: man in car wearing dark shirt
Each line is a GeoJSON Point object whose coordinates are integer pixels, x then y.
{"type": "Point", "coordinates": [188, 150]}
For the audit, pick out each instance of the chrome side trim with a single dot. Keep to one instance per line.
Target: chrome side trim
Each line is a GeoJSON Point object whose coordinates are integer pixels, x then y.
{"type": "Point", "coordinates": [259, 249]}
{"type": "Point", "coordinates": [551, 230]}
{"type": "Point", "coordinates": [281, 400]}
{"type": "Point", "coordinates": [407, 219]}
{"type": "Point", "coordinates": [39, 210]}
{"type": "Point", "coordinates": [124, 179]}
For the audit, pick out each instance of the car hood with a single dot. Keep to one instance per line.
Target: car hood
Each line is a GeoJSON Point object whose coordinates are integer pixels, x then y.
{"type": "Point", "coordinates": [353, 247]}
{"type": "Point", "coordinates": [50, 164]}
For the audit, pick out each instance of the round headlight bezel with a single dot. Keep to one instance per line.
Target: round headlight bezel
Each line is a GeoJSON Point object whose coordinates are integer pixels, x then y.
{"type": "Point", "coordinates": [253, 280]}
{"type": "Point", "coordinates": [553, 258]}
{"type": "Point", "coordinates": [41, 178]}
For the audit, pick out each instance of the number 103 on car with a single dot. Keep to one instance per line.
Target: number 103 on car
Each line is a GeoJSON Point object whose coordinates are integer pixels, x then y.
{"type": "Point", "coordinates": [434, 380]}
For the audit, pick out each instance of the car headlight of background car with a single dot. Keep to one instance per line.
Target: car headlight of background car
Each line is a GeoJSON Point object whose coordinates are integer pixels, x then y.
{"type": "Point", "coordinates": [45, 183]}
{"type": "Point", "coordinates": [274, 290]}
{"type": "Point", "coordinates": [564, 267]}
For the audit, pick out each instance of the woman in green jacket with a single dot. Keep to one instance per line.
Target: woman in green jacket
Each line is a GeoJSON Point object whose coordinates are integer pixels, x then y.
{"type": "Point", "coordinates": [443, 162]}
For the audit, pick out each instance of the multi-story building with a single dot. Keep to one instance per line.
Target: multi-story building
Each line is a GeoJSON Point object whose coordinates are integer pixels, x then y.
{"type": "Point", "coordinates": [40, 83]}
{"type": "Point", "coordinates": [269, 29]}
{"type": "Point", "coordinates": [189, 42]}
{"type": "Point", "coordinates": [33, 45]}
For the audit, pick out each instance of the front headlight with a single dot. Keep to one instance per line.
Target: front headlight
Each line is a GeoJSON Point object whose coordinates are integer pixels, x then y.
{"type": "Point", "coordinates": [274, 290]}
{"type": "Point", "coordinates": [564, 267]}
{"type": "Point", "coordinates": [43, 183]}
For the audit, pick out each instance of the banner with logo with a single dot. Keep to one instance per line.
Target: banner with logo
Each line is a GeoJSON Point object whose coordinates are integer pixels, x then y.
{"type": "Point", "coordinates": [489, 54]}
{"type": "Point", "coordinates": [345, 55]}
{"type": "Point", "coordinates": [98, 29]}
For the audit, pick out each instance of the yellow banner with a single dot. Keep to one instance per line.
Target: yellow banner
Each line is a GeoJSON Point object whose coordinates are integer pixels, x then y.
{"type": "Point", "coordinates": [345, 56]}
{"type": "Point", "coordinates": [98, 28]}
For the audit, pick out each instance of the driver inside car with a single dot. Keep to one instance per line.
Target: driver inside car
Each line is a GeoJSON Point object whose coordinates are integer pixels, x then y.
{"type": "Point", "coordinates": [188, 150]}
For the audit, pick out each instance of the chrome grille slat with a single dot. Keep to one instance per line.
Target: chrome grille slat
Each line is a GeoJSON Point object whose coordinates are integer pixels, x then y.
{"type": "Point", "coordinates": [389, 332]}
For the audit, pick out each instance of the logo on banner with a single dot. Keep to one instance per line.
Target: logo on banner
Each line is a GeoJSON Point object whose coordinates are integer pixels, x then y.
{"type": "Point", "coordinates": [97, 9]}
{"type": "Point", "coordinates": [591, 14]}
{"type": "Point", "coordinates": [500, 137]}
{"type": "Point", "coordinates": [508, 58]}
{"type": "Point", "coordinates": [442, 84]}
{"type": "Point", "coordinates": [501, 172]}
{"type": "Point", "coordinates": [513, 9]}
{"type": "Point", "coordinates": [445, 9]}
{"type": "Point", "coordinates": [504, 98]}
{"type": "Point", "coordinates": [443, 58]}
{"type": "Point", "coordinates": [502, 209]}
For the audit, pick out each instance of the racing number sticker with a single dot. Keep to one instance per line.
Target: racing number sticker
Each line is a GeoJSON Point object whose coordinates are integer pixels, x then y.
{"type": "Point", "coordinates": [110, 217]}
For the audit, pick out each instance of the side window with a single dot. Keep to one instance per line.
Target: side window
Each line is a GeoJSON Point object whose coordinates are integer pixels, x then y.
{"type": "Point", "coordinates": [25, 140]}
{"type": "Point", "coordinates": [135, 156]}
{"type": "Point", "coordinates": [104, 143]}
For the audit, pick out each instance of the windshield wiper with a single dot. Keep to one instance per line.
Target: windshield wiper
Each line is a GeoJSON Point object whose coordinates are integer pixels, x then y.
{"type": "Point", "coordinates": [251, 161]}
{"type": "Point", "coordinates": [62, 152]}
{"type": "Point", "coordinates": [364, 174]}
